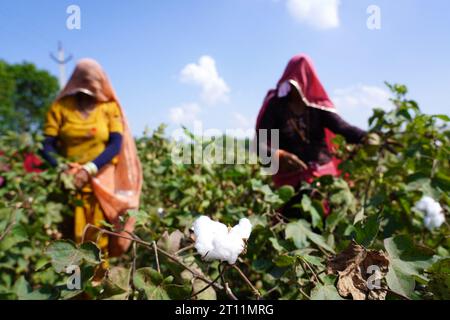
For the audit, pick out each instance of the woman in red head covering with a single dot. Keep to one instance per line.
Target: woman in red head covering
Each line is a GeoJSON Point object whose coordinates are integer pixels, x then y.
{"type": "Point", "coordinates": [307, 120]}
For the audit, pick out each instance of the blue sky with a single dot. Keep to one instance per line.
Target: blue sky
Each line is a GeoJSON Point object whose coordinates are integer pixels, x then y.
{"type": "Point", "coordinates": [152, 50]}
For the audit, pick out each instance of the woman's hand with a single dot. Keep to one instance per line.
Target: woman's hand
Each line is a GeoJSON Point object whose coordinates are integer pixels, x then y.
{"type": "Point", "coordinates": [81, 179]}
{"type": "Point", "coordinates": [289, 162]}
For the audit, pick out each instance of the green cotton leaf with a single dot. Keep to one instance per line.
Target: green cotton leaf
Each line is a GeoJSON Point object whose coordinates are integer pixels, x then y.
{"type": "Point", "coordinates": [308, 206]}
{"type": "Point", "coordinates": [300, 232]}
{"type": "Point", "coordinates": [65, 253]}
{"type": "Point", "coordinates": [316, 261]}
{"type": "Point", "coordinates": [117, 284]}
{"type": "Point", "coordinates": [366, 231]}
{"type": "Point", "coordinates": [441, 181]}
{"type": "Point", "coordinates": [407, 262]}
{"type": "Point", "coordinates": [23, 291]}
{"type": "Point", "coordinates": [286, 193]}
{"type": "Point", "coordinates": [325, 292]}
{"type": "Point", "coordinates": [90, 253]}
{"type": "Point", "coordinates": [151, 282]}
{"type": "Point", "coordinates": [284, 261]}
{"type": "Point", "coordinates": [442, 117]}
{"type": "Point", "coordinates": [21, 288]}
{"type": "Point", "coordinates": [269, 196]}
{"type": "Point", "coordinates": [276, 244]}
{"type": "Point", "coordinates": [183, 291]}
{"type": "Point", "coordinates": [334, 219]}
{"type": "Point", "coordinates": [18, 234]}
{"type": "Point", "coordinates": [439, 283]}
{"type": "Point", "coordinates": [42, 263]}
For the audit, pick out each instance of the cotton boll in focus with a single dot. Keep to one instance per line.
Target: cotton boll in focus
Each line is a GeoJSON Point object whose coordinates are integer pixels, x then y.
{"type": "Point", "coordinates": [243, 229]}
{"type": "Point", "coordinates": [215, 242]}
{"type": "Point", "coordinates": [205, 231]}
{"type": "Point", "coordinates": [226, 248]}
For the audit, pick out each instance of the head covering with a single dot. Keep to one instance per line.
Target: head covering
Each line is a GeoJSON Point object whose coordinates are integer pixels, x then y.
{"type": "Point", "coordinates": [117, 187]}
{"type": "Point", "coordinates": [301, 74]}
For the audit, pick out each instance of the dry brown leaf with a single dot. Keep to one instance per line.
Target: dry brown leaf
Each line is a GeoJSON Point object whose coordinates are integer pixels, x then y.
{"type": "Point", "coordinates": [352, 267]}
{"type": "Point", "coordinates": [171, 242]}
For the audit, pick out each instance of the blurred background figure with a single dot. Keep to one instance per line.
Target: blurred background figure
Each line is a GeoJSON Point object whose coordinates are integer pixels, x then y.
{"type": "Point", "coordinates": [307, 120]}
{"type": "Point", "coordinates": [86, 126]}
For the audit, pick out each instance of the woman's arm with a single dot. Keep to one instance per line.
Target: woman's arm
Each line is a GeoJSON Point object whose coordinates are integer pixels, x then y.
{"type": "Point", "coordinates": [49, 150]}
{"type": "Point", "coordinates": [112, 149]}
{"type": "Point", "coordinates": [338, 125]}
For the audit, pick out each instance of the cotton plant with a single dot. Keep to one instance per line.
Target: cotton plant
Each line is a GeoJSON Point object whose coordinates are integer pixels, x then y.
{"type": "Point", "coordinates": [434, 214]}
{"type": "Point", "coordinates": [215, 241]}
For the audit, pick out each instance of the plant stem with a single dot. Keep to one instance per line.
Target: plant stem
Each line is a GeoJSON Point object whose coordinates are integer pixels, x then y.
{"type": "Point", "coordinates": [255, 291]}
{"type": "Point", "coordinates": [210, 284]}
{"type": "Point", "coordinates": [161, 251]}
{"type": "Point", "coordinates": [189, 247]}
{"type": "Point", "coordinates": [155, 248]}
{"type": "Point", "coordinates": [312, 270]}
{"type": "Point", "coordinates": [304, 293]}
{"type": "Point", "coordinates": [227, 289]}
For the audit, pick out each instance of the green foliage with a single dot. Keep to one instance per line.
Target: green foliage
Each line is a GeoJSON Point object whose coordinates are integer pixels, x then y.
{"type": "Point", "coordinates": [372, 205]}
{"type": "Point", "coordinates": [26, 92]}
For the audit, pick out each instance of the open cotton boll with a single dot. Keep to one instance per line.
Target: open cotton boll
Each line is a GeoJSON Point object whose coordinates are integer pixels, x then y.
{"type": "Point", "coordinates": [433, 221]}
{"type": "Point", "coordinates": [226, 248]}
{"type": "Point", "coordinates": [243, 229]}
{"type": "Point", "coordinates": [205, 231]}
{"type": "Point", "coordinates": [434, 216]}
{"type": "Point", "coordinates": [215, 242]}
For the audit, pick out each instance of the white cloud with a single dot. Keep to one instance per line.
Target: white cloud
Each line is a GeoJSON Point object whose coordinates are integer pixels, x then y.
{"type": "Point", "coordinates": [205, 74]}
{"type": "Point", "coordinates": [356, 103]}
{"type": "Point", "coordinates": [320, 14]}
{"type": "Point", "coordinates": [362, 96]}
{"type": "Point", "coordinates": [244, 127]}
{"type": "Point", "coordinates": [242, 121]}
{"type": "Point", "coordinates": [186, 114]}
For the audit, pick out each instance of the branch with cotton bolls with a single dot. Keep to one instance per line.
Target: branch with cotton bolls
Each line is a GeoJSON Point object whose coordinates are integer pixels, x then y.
{"type": "Point", "coordinates": [216, 241]}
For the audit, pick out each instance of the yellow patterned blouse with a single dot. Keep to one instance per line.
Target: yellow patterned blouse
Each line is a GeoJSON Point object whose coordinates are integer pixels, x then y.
{"type": "Point", "coordinates": [82, 139]}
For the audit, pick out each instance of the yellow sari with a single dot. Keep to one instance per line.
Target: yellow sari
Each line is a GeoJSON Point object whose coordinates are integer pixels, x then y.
{"type": "Point", "coordinates": [117, 186]}
{"type": "Point", "coordinates": [82, 140]}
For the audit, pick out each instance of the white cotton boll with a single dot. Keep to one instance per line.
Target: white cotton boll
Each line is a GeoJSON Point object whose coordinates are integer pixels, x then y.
{"type": "Point", "coordinates": [428, 205]}
{"type": "Point", "coordinates": [215, 242]}
{"type": "Point", "coordinates": [205, 231]}
{"type": "Point", "coordinates": [432, 222]}
{"type": "Point", "coordinates": [243, 229]}
{"type": "Point", "coordinates": [434, 216]}
{"type": "Point", "coordinates": [228, 248]}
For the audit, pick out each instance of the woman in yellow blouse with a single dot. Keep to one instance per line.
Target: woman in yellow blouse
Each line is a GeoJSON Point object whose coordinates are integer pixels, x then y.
{"type": "Point", "coordinates": [87, 127]}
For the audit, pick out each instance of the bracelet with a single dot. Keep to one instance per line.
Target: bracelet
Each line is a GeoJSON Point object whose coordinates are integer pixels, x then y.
{"type": "Point", "coordinates": [91, 168]}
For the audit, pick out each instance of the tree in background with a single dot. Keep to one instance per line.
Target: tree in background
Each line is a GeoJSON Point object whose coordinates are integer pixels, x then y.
{"type": "Point", "coordinates": [26, 92]}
